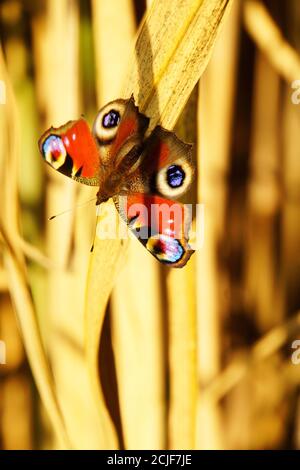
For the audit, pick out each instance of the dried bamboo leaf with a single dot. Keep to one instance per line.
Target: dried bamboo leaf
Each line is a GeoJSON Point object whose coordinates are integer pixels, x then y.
{"type": "Point", "coordinates": [172, 50]}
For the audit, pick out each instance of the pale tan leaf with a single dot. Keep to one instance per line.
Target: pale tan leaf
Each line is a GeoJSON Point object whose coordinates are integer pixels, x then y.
{"type": "Point", "coordinates": [172, 50]}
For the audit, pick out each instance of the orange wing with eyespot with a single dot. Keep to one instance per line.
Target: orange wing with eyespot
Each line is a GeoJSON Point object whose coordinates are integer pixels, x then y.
{"type": "Point", "coordinates": [71, 149]}
{"type": "Point", "coordinates": [160, 224]}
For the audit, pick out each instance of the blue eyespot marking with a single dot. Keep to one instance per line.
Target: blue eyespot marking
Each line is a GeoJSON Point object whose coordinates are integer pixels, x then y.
{"type": "Point", "coordinates": [53, 149]}
{"type": "Point", "coordinates": [175, 176]}
{"type": "Point", "coordinates": [165, 248]}
{"type": "Point", "coordinates": [111, 119]}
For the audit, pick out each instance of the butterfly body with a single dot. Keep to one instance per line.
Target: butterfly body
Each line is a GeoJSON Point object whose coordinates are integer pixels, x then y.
{"type": "Point", "coordinates": [144, 176]}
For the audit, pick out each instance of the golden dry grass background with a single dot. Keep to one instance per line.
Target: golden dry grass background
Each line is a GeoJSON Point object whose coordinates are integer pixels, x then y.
{"type": "Point", "coordinates": [120, 351]}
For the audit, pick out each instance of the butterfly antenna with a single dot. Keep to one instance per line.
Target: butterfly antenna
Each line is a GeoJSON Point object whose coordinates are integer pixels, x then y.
{"type": "Point", "coordinates": [73, 208]}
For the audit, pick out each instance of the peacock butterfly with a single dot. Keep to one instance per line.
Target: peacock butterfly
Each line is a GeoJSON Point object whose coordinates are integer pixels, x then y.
{"type": "Point", "coordinates": [142, 174]}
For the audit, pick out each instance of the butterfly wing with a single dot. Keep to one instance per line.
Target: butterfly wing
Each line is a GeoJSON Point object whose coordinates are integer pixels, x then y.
{"type": "Point", "coordinates": [91, 157]}
{"type": "Point", "coordinates": [166, 166]}
{"type": "Point", "coordinates": [71, 149]}
{"type": "Point", "coordinates": [160, 224]}
{"type": "Point", "coordinates": [118, 128]}
{"type": "Point", "coordinates": [165, 173]}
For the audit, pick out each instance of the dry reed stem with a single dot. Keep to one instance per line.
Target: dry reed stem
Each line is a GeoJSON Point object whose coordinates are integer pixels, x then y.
{"type": "Point", "coordinates": [15, 266]}
{"type": "Point", "coordinates": [268, 37]}
{"type": "Point", "coordinates": [31, 335]}
{"type": "Point", "coordinates": [69, 237]}
{"type": "Point", "coordinates": [182, 357]}
{"type": "Point", "coordinates": [113, 30]}
{"type": "Point", "coordinates": [264, 197]}
{"type": "Point", "coordinates": [215, 122]}
{"type": "Point", "coordinates": [11, 335]}
{"type": "Point", "coordinates": [290, 208]}
{"type": "Point", "coordinates": [263, 349]}
{"type": "Point", "coordinates": [15, 385]}
{"type": "Point", "coordinates": [290, 178]}
{"type": "Point", "coordinates": [17, 408]}
{"type": "Point", "coordinates": [35, 254]}
{"type": "Point", "coordinates": [181, 318]}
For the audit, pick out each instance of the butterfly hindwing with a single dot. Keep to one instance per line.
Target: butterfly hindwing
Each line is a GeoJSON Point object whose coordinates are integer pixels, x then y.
{"type": "Point", "coordinates": [166, 166]}
{"type": "Point", "coordinates": [160, 224]}
{"type": "Point", "coordinates": [165, 173]}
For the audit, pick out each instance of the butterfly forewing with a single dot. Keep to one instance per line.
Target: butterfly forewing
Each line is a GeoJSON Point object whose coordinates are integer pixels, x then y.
{"type": "Point", "coordinates": [72, 150]}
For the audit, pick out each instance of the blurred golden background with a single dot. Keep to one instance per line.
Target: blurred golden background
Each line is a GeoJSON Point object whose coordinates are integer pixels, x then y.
{"type": "Point", "coordinates": [120, 351]}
